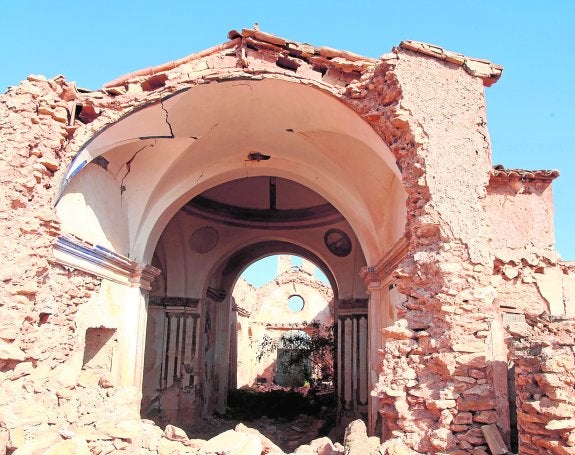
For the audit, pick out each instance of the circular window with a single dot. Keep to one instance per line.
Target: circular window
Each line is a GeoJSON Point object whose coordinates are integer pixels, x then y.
{"type": "Point", "coordinates": [295, 303]}
{"type": "Point", "coordinates": [338, 242]}
{"type": "Point", "coordinates": [204, 239]}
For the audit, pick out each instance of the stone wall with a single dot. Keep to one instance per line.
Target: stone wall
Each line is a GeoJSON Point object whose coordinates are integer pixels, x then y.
{"type": "Point", "coordinates": [543, 353]}
{"type": "Point", "coordinates": [50, 382]}
{"type": "Point", "coordinates": [435, 386]}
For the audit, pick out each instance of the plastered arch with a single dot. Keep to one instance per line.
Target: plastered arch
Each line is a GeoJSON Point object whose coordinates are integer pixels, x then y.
{"type": "Point", "coordinates": [323, 148]}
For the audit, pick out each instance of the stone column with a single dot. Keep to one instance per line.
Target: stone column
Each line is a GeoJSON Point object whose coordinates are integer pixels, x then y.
{"type": "Point", "coordinates": [381, 314]}
{"type": "Point", "coordinates": [233, 366]}
{"type": "Point", "coordinates": [222, 353]}
{"type": "Point", "coordinates": [374, 343]}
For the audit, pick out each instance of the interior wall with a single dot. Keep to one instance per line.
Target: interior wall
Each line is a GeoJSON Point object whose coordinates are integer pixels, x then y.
{"type": "Point", "coordinates": [194, 275]}
{"type": "Point", "coordinates": [92, 209]}
{"type": "Point", "coordinates": [269, 316]}
{"type": "Point", "coordinates": [188, 273]}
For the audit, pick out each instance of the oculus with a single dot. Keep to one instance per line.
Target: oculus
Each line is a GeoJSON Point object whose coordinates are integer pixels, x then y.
{"type": "Point", "coordinates": [338, 242]}
{"type": "Point", "coordinates": [204, 239]}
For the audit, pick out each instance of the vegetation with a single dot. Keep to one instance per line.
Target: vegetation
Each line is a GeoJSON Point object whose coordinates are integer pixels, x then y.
{"type": "Point", "coordinates": [308, 355]}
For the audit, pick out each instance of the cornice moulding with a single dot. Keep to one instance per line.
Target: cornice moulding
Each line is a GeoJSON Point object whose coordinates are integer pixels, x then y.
{"type": "Point", "coordinates": [372, 275]}
{"type": "Point", "coordinates": [104, 263]}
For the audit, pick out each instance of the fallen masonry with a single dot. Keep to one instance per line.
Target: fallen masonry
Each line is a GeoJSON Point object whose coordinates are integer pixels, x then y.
{"type": "Point", "coordinates": [129, 213]}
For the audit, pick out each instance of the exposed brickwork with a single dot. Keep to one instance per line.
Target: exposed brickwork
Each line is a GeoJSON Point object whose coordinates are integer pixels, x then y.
{"type": "Point", "coordinates": [544, 357]}
{"type": "Point", "coordinates": [434, 351]}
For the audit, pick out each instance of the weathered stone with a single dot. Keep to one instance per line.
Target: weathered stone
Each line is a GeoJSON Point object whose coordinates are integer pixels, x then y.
{"type": "Point", "coordinates": [73, 446]}
{"type": "Point", "coordinates": [441, 404]}
{"type": "Point", "coordinates": [355, 440]}
{"type": "Point", "coordinates": [16, 437]}
{"type": "Point", "coordinates": [551, 408]}
{"type": "Point", "coordinates": [10, 351]}
{"type": "Point", "coordinates": [464, 418]}
{"type": "Point", "coordinates": [175, 434]}
{"type": "Point", "coordinates": [41, 444]}
{"type": "Point", "coordinates": [442, 439]}
{"type": "Point", "coordinates": [480, 390]}
{"type": "Point", "coordinates": [398, 332]}
{"type": "Point", "coordinates": [474, 403]}
{"type": "Point", "coordinates": [566, 424]}
{"type": "Point", "coordinates": [64, 376]}
{"type": "Point", "coordinates": [168, 447]}
{"type": "Point", "coordinates": [559, 363]}
{"type": "Point", "coordinates": [10, 325]}
{"type": "Point", "coordinates": [473, 360]}
{"type": "Point", "coordinates": [486, 417]}
{"type": "Point", "coordinates": [395, 447]}
{"type": "Point", "coordinates": [270, 447]}
{"type": "Point", "coordinates": [234, 443]}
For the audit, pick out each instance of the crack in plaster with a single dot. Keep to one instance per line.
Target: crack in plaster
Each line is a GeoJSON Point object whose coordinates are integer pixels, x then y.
{"type": "Point", "coordinates": [167, 117]}
{"type": "Point", "coordinates": [128, 165]}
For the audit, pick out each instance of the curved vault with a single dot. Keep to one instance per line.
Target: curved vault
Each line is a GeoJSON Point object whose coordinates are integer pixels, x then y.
{"type": "Point", "coordinates": [128, 184]}
{"type": "Point", "coordinates": [233, 233]}
{"type": "Point", "coordinates": [151, 162]}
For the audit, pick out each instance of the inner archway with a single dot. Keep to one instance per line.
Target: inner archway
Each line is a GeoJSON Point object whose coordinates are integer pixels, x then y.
{"type": "Point", "coordinates": [203, 251]}
{"type": "Point", "coordinates": [276, 297]}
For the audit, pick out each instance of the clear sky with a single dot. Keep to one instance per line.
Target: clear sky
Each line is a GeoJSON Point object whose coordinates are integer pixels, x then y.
{"type": "Point", "coordinates": [530, 110]}
{"type": "Point", "coordinates": [265, 270]}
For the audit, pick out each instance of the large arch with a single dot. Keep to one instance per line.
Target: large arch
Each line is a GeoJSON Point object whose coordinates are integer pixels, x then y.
{"type": "Point", "coordinates": [151, 162]}
{"type": "Point", "coordinates": [164, 154]}
{"type": "Point", "coordinates": [234, 265]}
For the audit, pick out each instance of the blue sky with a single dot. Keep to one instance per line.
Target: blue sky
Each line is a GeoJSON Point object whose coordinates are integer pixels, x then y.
{"type": "Point", "coordinates": [530, 110]}
{"type": "Point", "coordinates": [265, 270]}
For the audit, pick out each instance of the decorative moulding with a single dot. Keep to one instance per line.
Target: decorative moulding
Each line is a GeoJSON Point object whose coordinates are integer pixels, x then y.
{"type": "Point", "coordinates": [103, 263]}
{"type": "Point", "coordinates": [175, 304]}
{"type": "Point", "coordinates": [384, 268]}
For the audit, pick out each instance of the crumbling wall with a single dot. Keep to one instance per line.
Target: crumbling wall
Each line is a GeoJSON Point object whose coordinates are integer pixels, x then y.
{"type": "Point", "coordinates": [543, 351]}
{"type": "Point", "coordinates": [534, 299]}
{"type": "Point", "coordinates": [39, 299]}
{"type": "Point", "coordinates": [435, 387]}
{"type": "Point", "coordinates": [55, 392]}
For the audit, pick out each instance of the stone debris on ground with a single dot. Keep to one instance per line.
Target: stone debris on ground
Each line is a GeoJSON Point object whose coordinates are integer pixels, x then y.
{"type": "Point", "coordinates": [279, 435]}
{"type": "Point", "coordinates": [143, 437]}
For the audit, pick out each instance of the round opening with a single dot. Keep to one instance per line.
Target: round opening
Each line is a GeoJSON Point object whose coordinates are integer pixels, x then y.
{"type": "Point", "coordinates": [338, 242]}
{"type": "Point", "coordinates": [204, 239]}
{"type": "Point", "coordinates": [295, 303]}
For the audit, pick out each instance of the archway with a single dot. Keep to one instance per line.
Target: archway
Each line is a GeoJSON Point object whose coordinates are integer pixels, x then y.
{"type": "Point", "coordinates": [204, 250]}
{"type": "Point", "coordinates": [275, 296]}
{"type": "Point", "coordinates": [157, 167]}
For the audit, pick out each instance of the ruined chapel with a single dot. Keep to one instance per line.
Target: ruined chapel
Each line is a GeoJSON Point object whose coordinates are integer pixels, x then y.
{"type": "Point", "coordinates": [129, 213]}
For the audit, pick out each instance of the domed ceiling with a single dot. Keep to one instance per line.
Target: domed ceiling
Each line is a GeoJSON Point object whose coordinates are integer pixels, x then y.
{"type": "Point", "coordinates": [270, 202]}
